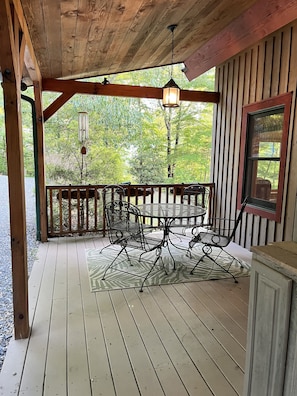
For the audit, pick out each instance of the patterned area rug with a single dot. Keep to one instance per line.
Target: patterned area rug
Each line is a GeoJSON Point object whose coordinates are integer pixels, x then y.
{"type": "Point", "coordinates": [124, 275]}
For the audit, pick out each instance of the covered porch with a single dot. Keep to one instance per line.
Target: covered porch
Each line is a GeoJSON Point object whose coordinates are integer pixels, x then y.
{"type": "Point", "coordinates": [184, 339]}
{"type": "Point", "coordinates": [177, 339]}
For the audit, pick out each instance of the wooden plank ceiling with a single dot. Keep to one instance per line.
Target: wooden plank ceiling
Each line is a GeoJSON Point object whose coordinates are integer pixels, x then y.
{"type": "Point", "coordinates": [86, 38]}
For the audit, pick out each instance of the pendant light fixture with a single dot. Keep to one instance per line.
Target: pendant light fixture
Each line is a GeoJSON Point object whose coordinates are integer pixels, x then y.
{"type": "Point", "coordinates": [171, 90]}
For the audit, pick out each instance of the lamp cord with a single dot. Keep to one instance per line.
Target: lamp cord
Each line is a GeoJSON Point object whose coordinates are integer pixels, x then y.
{"type": "Point", "coordinates": [171, 28]}
{"type": "Point", "coordinates": [172, 52]}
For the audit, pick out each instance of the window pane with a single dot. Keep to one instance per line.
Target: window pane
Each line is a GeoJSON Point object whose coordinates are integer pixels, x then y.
{"type": "Point", "coordinates": [264, 179]}
{"type": "Point", "coordinates": [266, 134]}
{"type": "Point", "coordinates": [265, 127]}
{"type": "Point", "coordinates": [269, 149]}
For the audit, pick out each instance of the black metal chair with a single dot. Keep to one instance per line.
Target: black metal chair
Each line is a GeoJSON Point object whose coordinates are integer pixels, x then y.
{"type": "Point", "coordinates": [111, 193]}
{"type": "Point", "coordinates": [220, 235]}
{"type": "Point", "coordinates": [126, 230]}
{"type": "Point", "coordinates": [198, 195]}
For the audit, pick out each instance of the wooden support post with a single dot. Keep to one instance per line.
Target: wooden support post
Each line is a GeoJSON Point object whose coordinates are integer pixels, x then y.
{"type": "Point", "coordinates": [14, 143]}
{"type": "Point", "coordinates": [10, 67]}
{"type": "Point", "coordinates": [41, 193]}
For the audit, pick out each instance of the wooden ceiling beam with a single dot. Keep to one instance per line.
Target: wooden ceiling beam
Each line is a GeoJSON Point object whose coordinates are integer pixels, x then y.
{"type": "Point", "coordinates": [29, 56]}
{"type": "Point", "coordinates": [56, 105]}
{"type": "Point", "coordinates": [70, 88]}
{"type": "Point", "coordinates": [260, 20]}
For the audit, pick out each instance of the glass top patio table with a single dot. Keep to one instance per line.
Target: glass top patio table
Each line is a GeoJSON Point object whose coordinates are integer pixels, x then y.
{"type": "Point", "coordinates": [170, 211]}
{"type": "Point", "coordinates": [166, 213]}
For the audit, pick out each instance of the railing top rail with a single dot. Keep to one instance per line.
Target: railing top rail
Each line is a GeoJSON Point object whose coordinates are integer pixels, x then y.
{"type": "Point", "coordinates": [126, 185]}
{"type": "Point", "coordinates": [78, 208]}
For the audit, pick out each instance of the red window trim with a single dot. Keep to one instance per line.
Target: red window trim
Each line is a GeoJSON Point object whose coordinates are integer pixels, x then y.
{"type": "Point", "coordinates": [284, 100]}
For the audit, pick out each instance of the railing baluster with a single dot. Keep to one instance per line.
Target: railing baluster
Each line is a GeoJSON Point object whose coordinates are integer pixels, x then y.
{"type": "Point", "coordinates": [51, 211]}
{"type": "Point", "coordinates": [60, 211]}
{"type": "Point", "coordinates": [68, 203]}
{"type": "Point", "coordinates": [79, 209]}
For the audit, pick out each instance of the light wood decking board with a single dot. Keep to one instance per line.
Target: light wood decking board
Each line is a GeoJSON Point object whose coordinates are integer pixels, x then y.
{"type": "Point", "coordinates": [186, 339]}
{"type": "Point", "coordinates": [99, 364]}
{"type": "Point", "coordinates": [56, 367]}
{"type": "Point", "coordinates": [207, 317]}
{"type": "Point", "coordinates": [198, 342]}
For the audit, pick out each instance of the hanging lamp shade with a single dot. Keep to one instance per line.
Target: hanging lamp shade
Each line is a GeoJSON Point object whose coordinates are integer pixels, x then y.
{"type": "Point", "coordinates": [171, 90]}
{"type": "Point", "coordinates": [171, 93]}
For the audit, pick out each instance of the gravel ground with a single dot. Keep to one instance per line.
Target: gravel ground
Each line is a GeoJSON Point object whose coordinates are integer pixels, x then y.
{"type": "Point", "coordinates": [6, 307]}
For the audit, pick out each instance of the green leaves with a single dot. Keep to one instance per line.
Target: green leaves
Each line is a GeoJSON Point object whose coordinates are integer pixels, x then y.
{"type": "Point", "coordinates": [130, 139]}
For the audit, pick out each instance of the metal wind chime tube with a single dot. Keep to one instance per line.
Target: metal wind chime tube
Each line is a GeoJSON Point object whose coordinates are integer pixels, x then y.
{"type": "Point", "coordinates": [83, 126]}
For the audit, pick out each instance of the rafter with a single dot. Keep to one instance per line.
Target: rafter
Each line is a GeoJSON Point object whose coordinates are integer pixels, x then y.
{"type": "Point", "coordinates": [263, 18]}
{"type": "Point", "coordinates": [29, 56]}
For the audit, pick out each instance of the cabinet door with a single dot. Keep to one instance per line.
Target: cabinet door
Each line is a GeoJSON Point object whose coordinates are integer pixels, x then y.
{"type": "Point", "coordinates": [268, 324]}
{"type": "Point", "coordinates": [290, 388]}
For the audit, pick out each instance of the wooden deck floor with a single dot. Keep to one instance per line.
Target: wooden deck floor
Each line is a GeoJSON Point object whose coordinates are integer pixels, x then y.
{"type": "Point", "coordinates": [186, 339]}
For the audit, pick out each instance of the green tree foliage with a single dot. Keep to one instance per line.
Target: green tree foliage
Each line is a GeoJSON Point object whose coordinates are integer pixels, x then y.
{"type": "Point", "coordinates": [147, 159]}
{"type": "Point", "coordinates": [193, 154]}
{"type": "Point", "coordinates": [184, 134]}
{"type": "Point", "coordinates": [130, 139]}
{"type": "Point", "coordinates": [27, 137]}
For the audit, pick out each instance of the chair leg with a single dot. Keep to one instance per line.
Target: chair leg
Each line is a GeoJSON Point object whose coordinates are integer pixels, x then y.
{"type": "Point", "coordinates": [196, 265]}
{"type": "Point", "coordinates": [233, 258]}
{"type": "Point", "coordinates": [214, 261]}
{"type": "Point", "coordinates": [148, 274]}
{"type": "Point", "coordinates": [113, 261]}
{"type": "Point", "coordinates": [104, 247]}
{"type": "Point", "coordinates": [158, 254]}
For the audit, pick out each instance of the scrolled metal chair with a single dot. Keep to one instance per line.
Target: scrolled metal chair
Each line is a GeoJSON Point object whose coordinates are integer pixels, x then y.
{"type": "Point", "coordinates": [218, 236]}
{"type": "Point", "coordinates": [197, 195]}
{"type": "Point", "coordinates": [126, 230]}
{"type": "Point", "coordinates": [111, 193]}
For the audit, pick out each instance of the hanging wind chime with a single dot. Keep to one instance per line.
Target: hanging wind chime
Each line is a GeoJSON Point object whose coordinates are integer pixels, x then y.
{"type": "Point", "coordinates": [83, 135]}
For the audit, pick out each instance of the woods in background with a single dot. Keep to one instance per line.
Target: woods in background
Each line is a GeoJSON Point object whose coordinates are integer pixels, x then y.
{"type": "Point", "coordinates": [134, 140]}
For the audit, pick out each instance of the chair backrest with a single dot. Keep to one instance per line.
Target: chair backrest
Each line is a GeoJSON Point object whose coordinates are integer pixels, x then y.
{"type": "Point", "coordinates": [239, 217]}
{"type": "Point", "coordinates": [112, 192]}
{"type": "Point", "coordinates": [199, 195]}
{"type": "Point", "coordinates": [196, 194]}
{"type": "Point", "coordinates": [226, 227]}
{"type": "Point", "coordinates": [123, 222]}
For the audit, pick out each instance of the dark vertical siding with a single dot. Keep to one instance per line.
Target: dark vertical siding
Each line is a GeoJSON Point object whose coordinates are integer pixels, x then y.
{"type": "Point", "coordinates": [266, 70]}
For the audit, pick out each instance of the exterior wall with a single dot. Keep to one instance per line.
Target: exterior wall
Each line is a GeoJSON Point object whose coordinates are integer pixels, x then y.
{"type": "Point", "coordinates": [263, 71]}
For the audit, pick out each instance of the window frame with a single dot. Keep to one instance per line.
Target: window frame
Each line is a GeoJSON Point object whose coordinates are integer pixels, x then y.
{"type": "Point", "coordinates": [249, 110]}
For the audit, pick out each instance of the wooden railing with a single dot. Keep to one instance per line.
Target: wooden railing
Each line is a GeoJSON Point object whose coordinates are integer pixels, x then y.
{"type": "Point", "coordinates": [79, 209]}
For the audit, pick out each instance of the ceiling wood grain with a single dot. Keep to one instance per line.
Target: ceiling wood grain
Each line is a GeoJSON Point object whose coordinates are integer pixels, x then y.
{"type": "Point", "coordinates": [259, 21]}
{"type": "Point", "coordinates": [86, 38]}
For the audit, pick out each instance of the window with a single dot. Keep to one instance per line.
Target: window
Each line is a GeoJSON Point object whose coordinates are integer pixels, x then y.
{"type": "Point", "coordinates": [263, 155]}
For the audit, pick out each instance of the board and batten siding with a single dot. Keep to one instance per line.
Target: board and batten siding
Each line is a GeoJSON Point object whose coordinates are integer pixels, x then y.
{"type": "Point", "coordinates": [265, 70]}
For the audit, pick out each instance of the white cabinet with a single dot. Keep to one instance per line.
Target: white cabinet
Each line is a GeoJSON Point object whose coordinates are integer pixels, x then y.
{"type": "Point", "coordinates": [271, 360]}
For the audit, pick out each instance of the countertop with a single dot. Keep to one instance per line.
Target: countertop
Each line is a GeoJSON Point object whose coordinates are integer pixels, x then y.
{"type": "Point", "coordinates": [280, 256]}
